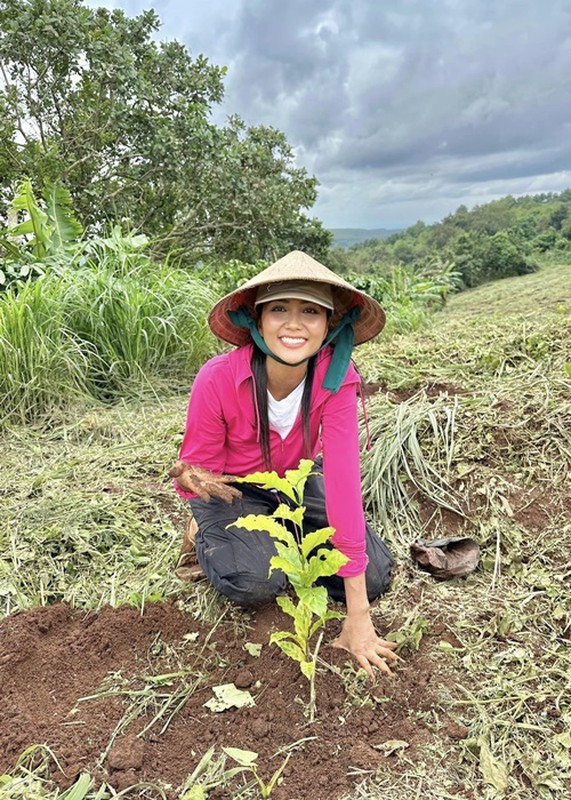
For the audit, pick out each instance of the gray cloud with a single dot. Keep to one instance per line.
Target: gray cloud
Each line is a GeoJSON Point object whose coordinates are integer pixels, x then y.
{"type": "Point", "coordinates": [403, 110]}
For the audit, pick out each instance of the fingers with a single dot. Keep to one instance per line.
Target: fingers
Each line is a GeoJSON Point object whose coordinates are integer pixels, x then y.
{"type": "Point", "coordinates": [371, 660]}
{"type": "Point", "coordinates": [201, 491]}
{"type": "Point", "coordinates": [389, 654]}
{"type": "Point", "coordinates": [222, 490]}
{"type": "Point", "coordinates": [230, 494]}
{"type": "Point", "coordinates": [363, 662]}
{"type": "Point", "coordinates": [187, 482]}
{"type": "Point", "coordinates": [204, 483]}
{"type": "Point", "coordinates": [177, 469]}
{"type": "Point", "coordinates": [372, 657]}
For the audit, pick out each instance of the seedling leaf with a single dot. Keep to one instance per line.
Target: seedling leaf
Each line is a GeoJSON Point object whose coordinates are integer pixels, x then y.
{"type": "Point", "coordinates": [298, 477]}
{"type": "Point", "coordinates": [315, 598]}
{"type": "Point", "coordinates": [270, 480]}
{"type": "Point", "coordinates": [302, 621]}
{"type": "Point", "coordinates": [278, 562]}
{"type": "Point", "coordinates": [290, 649]}
{"type": "Point", "coordinates": [260, 522]}
{"type": "Point", "coordinates": [326, 562]}
{"type": "Point", "coordinates": [314, 539]}
{"type": "Point", "coordinates": [286, 604]}
{"type": "Point", "coordinates": [291, 554]}
{"type": "Point", "coordinates": [319, 623]}
{"type": "Point", "coordinates": [279, 635]}
{"type": "Point", "coordinates": [295, 515]}
{"type": "Point", "coordinates": [246, 758]}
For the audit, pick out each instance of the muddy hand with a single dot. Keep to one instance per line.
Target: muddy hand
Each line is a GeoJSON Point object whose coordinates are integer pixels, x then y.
{"type": "Point", "coordinates": [204, 483]}
{"type": "Point", "coordinates": [359, 638]}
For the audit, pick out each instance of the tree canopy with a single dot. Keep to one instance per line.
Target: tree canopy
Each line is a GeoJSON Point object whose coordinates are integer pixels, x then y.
{"type": "Point", "coordinates": [494, 240]}
{"type": "Point", "coordinates": [90, 100]}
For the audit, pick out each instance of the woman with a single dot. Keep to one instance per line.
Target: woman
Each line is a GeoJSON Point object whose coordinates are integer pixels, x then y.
{"type": "Point", "coordinates": [288, 391]}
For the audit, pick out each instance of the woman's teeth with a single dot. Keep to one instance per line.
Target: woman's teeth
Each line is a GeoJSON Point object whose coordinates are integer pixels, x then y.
{"type": "Point", "coordinates": [292, 341]}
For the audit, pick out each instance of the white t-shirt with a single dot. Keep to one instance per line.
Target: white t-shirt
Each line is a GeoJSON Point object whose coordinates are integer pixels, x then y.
{"type": "Point", "coordinates": [282, 413]}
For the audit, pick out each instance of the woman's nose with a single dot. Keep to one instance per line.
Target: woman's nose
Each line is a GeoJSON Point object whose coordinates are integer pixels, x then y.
{"type": "Point", "coordinates": [294, 320]}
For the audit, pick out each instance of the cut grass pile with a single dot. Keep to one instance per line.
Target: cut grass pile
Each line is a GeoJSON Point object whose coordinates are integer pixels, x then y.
{"type": "Point", "coordinates": [471, 434]}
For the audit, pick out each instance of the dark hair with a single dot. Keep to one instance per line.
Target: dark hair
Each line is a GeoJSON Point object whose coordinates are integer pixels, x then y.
{"type": "Point", "coordinates": [261, 389]}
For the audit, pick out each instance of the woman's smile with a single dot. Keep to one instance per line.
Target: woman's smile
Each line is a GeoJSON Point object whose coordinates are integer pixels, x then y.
{"type": "Point", "coordinates": [293, 329]}
{"type": "Point", "coordinates": [290, 341]}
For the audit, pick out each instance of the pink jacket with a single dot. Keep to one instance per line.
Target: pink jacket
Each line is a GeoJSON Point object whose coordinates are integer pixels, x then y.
{"type": "Point", "coordinates": [222, 435]}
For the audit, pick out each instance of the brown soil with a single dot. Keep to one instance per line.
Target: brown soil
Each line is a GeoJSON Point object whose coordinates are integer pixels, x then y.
{"type": "Point", "coordinates": [56, 661]}
{"type": "Point", "coordinates": [402, 395]}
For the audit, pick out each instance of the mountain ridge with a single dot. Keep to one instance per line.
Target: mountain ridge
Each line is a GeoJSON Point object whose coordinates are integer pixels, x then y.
{"type": "Point", "coordinates": [346, 237]}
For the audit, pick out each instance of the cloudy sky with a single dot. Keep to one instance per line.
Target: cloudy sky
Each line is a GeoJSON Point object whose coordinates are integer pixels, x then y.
{"type": "Point", "coordinates": [403, 109]}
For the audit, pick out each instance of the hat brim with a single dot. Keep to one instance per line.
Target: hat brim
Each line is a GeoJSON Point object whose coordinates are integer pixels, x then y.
{"type": "Point", "coordinates": [297, 266]}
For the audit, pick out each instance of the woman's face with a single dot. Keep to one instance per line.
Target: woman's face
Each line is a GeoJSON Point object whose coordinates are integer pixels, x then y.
{"type": "Point", "coordinates": [294, 330]}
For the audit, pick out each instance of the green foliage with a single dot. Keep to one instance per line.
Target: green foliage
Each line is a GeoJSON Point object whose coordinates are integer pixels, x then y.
{"type": "Point", "coordinates": [92, 101]}
{"type": "Point", "coordinates": [410, 634]}
{"type": "Point", "coordinates": [247, 759]}
{"type": "Point", "coordinates": [42, 235]}
{"type": "Point", "coordinates": [303, 559]}
{"type": "Point", "coordinates": [496, 240]}
{"type": "Point", "coordinates": [231, 274]}
{"type": "Point", "coordinates": [42, 366]}
{"type": "Point", "coordinates": [408, 295]}
{"type": "Point", "coordinates": [116, 326]}
{"type": "Point", "coordinates": [480, 258]}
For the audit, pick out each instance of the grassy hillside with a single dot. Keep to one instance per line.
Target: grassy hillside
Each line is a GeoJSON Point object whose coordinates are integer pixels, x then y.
{"type": "Point", "coordinates": [470, 421]}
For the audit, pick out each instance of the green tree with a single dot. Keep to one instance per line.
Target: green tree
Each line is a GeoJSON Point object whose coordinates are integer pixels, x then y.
{"type": "Point", "coordinates": [91, 101]}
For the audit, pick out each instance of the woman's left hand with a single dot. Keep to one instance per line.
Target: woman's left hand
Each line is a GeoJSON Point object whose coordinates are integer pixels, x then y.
{"type": "Point", "coordinates": [358, 637]}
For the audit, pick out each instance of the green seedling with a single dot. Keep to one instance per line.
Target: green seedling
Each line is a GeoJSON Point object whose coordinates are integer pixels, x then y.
{"type": "Point", "coordinates": [304, 559]}
{"type": "Point", "coordinates": [410, 634]}
{"type": "Point", "coordinates": [247, 760]}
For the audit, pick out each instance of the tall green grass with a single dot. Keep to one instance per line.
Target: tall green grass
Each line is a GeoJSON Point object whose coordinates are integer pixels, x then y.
{"type": "Point", "coordinates": [100, 332]}
{"type": "Point", "coordinates": [41, 364]}
{"type": "Point", "coordinates": [143, 329]}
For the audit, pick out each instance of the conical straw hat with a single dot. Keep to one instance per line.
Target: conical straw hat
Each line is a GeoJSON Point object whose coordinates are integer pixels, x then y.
{"type": "Point", "coordinates": [297, 266]}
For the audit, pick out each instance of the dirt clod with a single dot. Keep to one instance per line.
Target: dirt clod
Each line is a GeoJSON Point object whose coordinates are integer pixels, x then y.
{"type": "Point", "coordinates": [127, 754]}
{"type": "Point", "coordinates": [457, 731]}
{"type": "Point", "coordinates": [260, 728]}
{"type": "Point", "coordinates": [244, 679]}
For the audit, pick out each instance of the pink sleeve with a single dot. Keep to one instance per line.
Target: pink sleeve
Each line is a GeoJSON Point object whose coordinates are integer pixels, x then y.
{"type": "Point", "coordinates": [342, 478]}
{"type": "Point", "coordinates": [204, 442]}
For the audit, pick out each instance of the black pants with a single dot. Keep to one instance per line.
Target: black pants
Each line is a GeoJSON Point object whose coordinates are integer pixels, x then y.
{"type": "Point", "coordinates": [237, 561]}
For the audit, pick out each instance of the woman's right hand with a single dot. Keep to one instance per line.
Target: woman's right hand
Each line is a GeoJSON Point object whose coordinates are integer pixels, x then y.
{"type": "Point", "coordinates": [204, 483]}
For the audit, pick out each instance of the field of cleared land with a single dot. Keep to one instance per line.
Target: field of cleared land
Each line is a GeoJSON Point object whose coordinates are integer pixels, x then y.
{"type": "Point", "coordinates": [106, 659]}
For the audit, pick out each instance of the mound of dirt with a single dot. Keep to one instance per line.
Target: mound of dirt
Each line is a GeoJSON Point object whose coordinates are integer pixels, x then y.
{"type": "Point", "coordinates": [121, 695]}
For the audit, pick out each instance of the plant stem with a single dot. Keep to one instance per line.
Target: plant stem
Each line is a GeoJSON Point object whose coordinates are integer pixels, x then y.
{"type": "Point", "coordinates": [312, 703]}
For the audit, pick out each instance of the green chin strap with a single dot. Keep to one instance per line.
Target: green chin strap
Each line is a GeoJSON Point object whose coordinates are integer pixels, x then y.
{"type": "Point", "coordinates": [343, 335]}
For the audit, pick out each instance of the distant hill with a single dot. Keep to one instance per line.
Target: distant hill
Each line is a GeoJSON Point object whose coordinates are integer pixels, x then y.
{"type": "Point", "coordinates": [345, 237]}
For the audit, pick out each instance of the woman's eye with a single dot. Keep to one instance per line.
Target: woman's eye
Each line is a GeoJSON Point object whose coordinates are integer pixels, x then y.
{"type": "Point", "coordinates": [277, 308]}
